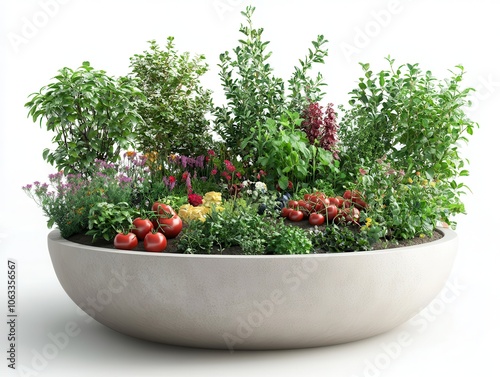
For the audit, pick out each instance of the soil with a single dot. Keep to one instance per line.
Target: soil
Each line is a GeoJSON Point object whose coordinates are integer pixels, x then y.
{"type": "Point", "coordinates": [172, 243]}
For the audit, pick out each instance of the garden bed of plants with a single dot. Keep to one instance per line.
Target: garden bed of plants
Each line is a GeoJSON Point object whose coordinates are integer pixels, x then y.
{"type": "Point", "coordinates": [148, 162]}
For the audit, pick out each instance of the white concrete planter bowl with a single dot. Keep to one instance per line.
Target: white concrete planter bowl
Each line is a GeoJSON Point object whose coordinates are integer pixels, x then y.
{"type": "Point", "coordinates": [253, 302]}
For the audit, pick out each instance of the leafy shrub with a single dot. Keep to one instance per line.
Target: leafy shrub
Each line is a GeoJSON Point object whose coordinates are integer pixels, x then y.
{"type": "Point", "coordinates": [92, 115]}
{"type": "Point", "coordinates": [416, 121]}
{"type": "Point", "coordinates": [406, 126]}
{"type": "Point", "coordinates": [176, 104]}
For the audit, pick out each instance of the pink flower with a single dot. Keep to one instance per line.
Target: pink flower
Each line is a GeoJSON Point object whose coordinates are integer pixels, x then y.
{"type": "Point", "coordinates": [229, 166]}
{"type": "Point", "coordinates": [211, 152]}
{"type": "Point", "coordinates": [213, 172]}
{"type": "Point", "coordinates": [362, 171]}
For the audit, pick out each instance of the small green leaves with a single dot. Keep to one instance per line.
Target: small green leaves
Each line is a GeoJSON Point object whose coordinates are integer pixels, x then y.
{"type": "Point", "coordinates": [80, 103]}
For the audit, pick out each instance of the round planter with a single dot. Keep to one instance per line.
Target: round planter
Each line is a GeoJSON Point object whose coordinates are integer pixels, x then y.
{"type": "Point", "coordinates": [253, 302]}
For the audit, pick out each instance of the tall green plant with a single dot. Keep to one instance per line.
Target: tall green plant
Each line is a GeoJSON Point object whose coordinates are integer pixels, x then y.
{"type": "Point", "coordinates": [417, 121]}
{"type": "Point", "coordinates": [176, 105]}
{"type": "Point", "coordinates": [253, 93]}
{"type": "Point", "coordinates": [92, 115]}
{"type": "Point", "coordinates": [413, 125]}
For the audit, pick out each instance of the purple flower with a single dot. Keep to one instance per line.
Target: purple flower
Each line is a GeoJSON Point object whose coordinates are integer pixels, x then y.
{"type": "Point", "coordinates": [200, 161]}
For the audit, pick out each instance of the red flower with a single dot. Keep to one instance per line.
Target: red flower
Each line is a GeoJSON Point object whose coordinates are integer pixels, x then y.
{"type": "Point", "coordinates": [213, 172]}
{"type": "Point", "coordinates": [195, 200]}
{"type": "Point", "coordinates": [238, 174]}
{"type": "Point", "coordinates": [211, 152]}
{"type": "Point", "coordinates": [171, 179]}
{"type": "Point", "coordinates": [290, 185]}
{"type": "Point", "coordinates": [185, 175]}
{"type": "Point", "coordinates": [226, 175]}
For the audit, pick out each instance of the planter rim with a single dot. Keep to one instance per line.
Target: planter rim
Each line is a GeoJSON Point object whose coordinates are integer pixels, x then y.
{"type": "Point", "coordinates": [448, 235]}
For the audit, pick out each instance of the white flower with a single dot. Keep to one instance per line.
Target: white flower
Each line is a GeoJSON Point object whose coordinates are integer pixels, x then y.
{"type": "Point", "coordinates": [244, 183]}
{"type": "Point", "coordinates": [260, 186]}
{"type": "Point", "coordinates": [249, 192]}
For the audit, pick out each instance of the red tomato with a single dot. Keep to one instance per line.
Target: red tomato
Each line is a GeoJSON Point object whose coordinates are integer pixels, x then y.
{"type": "Point", "coordinates": [302, 203]}
{"type": "Point", "coordinates": [293, 204]}
{"type": "Point", "coordinates": [322, 204]}
{"type": "Point", "coordinates": [338, 201]}
{"type": "Point", "coordinates": [308, 207]}
{"type": "Point", "coordinates": [141, 227]}
{"type": "Point", "coordinates": [351, 214]}
{"type": "Point", "coordinates": [316, 219]}
{"type": "Point", "coordinates": [359, 203]}
{"type": "Point", "coordinates": [307, 197]}
{"type": "Point", "coordinates": [313, 198]}
{"type": "Point", "coordinates": [125, 241]}
{"type": "Point", "coordinates": [155, 242]}
{"type": "Point", "coordinates": [320, 195]}
{"type": "Point", "coordinates": [331, 212]}
{"type": "Point", "coordinates": [347, 194]}
{"type": "Point", "coordinates": [163, 209]}
{"type": "Point", "coordinates": [285, 211]}
{"type": "Point", "coordinates": [295, 216]}
{"type": "Point", "coordinates": [170, 226]}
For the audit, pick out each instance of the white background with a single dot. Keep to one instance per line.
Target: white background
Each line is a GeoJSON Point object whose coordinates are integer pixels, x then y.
{"type": "Point", "coordinates": [453, 338]}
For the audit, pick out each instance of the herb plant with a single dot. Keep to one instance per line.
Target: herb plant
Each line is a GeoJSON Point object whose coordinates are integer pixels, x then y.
{"type": "Point", "coordinates": [108, 219]}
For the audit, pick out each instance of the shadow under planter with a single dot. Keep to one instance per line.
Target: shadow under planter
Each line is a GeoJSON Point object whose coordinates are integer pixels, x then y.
{"type": "Point", "coordinates": [253, 302]}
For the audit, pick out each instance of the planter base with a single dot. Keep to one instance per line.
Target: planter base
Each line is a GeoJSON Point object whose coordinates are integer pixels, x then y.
{"type": "Point", "coordinates": [253, 302]}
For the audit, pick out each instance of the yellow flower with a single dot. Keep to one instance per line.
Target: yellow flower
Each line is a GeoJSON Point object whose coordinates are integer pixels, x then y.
{"type": "Point", "coordinates": [368, 222]}
{"type": "Point", "coordinates": [425, 182]}
{"type": "Point", "coordinates": [188, 212]}
{"type": "Point", "coordinates": [211, 198]}
{"type": "Point", "coordinates": [410, 180]}
{"type": "Point", "coordinates": [433, 184]}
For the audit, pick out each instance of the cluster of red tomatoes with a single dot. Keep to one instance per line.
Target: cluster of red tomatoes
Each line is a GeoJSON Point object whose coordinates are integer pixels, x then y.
{"type": "Point", "coordinates": [318, 208]}
{"type": "Point", "coordinates": [165, 224]}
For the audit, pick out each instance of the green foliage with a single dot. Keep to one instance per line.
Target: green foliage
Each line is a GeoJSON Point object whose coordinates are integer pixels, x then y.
{"type": "Point", "coordinates": [282, 150]}
{"type": "Point", "coordinates": [242, 227]}
{"type": "Point", "coordinates": [68, 199]}
{"type": "Point", "coordinates": [403, 206]}
{"type": "Point", "coordinates": [108, 219]}
{"type": "Point", "coordinates": [405, 125]}
{"type": "Point", "coordinates": [289, 240]}
{"type": "Point", "coordinates": [339, 239]}
{"type": "Point", "coordinates": [407, 115]}
{"type": "Point", "coordinates": [176, 104]}
{"type": "Point", "coordinates": [91, 114]}
{"type": "Point", "coordinates": [253, 93]}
